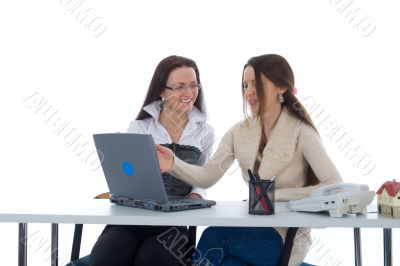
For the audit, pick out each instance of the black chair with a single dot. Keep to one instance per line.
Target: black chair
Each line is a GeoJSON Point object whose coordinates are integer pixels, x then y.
{"type": "Point", "coordinates": [84, 261]}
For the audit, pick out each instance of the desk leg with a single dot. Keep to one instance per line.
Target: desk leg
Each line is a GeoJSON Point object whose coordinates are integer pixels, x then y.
{"type": "Point", "coordinates": [357, 247]}
{"type": "Point", "coordinates": [54, 244]}
{"type": "Point", "coordinates": [22, 244]}
{"type": "Point", "coordinates": [387, 246]}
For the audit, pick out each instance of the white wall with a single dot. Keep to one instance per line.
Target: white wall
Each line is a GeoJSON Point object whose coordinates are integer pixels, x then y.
{"type": "Point", "coordinates": [94, 71]}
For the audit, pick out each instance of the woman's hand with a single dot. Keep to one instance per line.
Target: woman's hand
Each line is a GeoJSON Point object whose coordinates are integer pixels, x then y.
{"type": "Point", "coordinates": [165, 158]}
{"type": "Point", "coordinates": [194, 195]}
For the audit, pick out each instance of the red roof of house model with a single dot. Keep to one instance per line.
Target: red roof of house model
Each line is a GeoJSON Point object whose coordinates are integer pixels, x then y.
{"type": "Point", "coordinates": [392, 188]}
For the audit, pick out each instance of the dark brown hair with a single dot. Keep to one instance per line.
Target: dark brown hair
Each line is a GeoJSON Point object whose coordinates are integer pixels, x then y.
{"type": "Point", "coordinates": [275, 68]}
{"type": "Point", "coordinates": [159, 80]}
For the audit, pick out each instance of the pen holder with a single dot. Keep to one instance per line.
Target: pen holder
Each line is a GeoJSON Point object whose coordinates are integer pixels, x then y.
{"type": "Point", "coordinates": [262, 197]}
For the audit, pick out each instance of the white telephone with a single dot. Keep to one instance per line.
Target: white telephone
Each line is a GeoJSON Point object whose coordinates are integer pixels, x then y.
{"type": "Point", "coordinates": [338, 199]}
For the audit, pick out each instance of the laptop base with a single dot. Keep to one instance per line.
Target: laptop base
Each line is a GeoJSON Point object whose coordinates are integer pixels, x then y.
{"type": "Point", "coordinates": [172, 206]}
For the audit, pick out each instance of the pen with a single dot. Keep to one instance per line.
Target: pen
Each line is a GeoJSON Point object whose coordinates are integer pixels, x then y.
{"type": "Point", "coordinates": [264, 196]}
{"type": "Point", "coordinates": [251, 176]}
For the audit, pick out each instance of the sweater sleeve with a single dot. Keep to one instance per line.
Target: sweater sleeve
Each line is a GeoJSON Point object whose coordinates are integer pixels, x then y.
{"type": "Point", "coordinates": [317, 157]}
{"type": "Point", "coordinates": [207, 175]}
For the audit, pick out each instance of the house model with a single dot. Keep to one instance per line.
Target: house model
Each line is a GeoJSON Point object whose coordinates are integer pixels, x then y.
{"type": "Point", "coordinates": [389, 199]}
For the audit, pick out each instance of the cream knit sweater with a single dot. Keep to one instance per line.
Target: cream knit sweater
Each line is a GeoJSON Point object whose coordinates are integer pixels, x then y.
{"type": "Point", "coordinates": [291, 146]}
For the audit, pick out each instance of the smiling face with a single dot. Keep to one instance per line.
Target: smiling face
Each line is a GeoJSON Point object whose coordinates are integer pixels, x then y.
{"type": "Point", "coordinates": [182, 90]}
{"type": "Point", "coordinates": [269, 92]}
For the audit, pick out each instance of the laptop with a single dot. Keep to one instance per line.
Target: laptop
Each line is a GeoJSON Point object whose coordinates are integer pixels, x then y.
{"type": "Point", "coordinates": [131, 169]}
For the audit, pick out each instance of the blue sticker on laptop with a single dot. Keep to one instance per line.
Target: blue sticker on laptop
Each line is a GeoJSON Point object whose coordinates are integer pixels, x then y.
{"type": "Point", "coordinates": [128, 168]}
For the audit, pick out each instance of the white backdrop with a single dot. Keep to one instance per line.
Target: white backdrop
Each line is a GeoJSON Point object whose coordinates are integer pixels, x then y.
{"type": "Point", "coordinates": [83, 67]}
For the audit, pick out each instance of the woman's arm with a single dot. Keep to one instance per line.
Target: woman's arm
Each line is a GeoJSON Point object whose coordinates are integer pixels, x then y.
{"type": "Point", "coordinates": [315, 154]}
{"type": "Point", "coordinates": [200, 176]}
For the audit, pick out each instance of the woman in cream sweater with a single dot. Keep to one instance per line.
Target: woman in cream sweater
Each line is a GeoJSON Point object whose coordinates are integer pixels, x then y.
{"type": "Point", "coordinates": [277, 139]}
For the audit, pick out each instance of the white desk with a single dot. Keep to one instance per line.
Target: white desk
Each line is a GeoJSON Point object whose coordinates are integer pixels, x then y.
{"type": "Point", "coordinates": [223, 214]}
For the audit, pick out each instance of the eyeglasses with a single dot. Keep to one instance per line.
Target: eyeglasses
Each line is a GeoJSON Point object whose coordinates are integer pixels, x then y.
{"type": "Point", "coordinates": [181, 87]}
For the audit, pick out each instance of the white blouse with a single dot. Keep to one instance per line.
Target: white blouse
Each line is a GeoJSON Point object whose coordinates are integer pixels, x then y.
{"type": "Point", "coordinates": [197, 133]}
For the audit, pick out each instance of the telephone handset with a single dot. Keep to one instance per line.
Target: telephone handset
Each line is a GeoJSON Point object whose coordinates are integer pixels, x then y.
{"type": "Point", "coordinates": [338, 188]}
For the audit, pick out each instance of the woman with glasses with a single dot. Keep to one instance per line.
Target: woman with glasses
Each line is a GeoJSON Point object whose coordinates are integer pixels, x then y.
{"type": "Point", "coordinates": [174, 113]}
{"type": "Point", "coordinates": [277, 140]}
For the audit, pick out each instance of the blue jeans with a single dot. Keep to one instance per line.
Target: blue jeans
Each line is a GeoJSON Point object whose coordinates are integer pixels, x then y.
{"type": "Point", "coordinates": [238, 246]}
